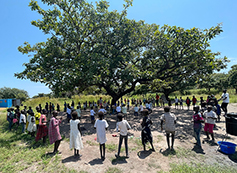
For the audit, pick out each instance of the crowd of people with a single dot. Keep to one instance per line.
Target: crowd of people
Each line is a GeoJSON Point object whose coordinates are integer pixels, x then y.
{"type": "Point", "coordinates": [39, 127]}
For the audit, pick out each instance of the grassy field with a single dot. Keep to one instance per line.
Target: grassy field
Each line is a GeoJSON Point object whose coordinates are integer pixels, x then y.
{"type": "Point", "coordinates": [19, 152]}
{"type": "Point", "coordinates": [82, 98]}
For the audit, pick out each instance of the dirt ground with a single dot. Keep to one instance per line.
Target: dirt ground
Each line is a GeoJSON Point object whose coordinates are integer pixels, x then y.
{"type": "Point", "coordinates": [185, 150]}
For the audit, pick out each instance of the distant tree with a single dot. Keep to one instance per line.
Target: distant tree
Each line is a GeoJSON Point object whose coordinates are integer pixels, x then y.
{"type": "Point", "coordinates": [92, 46]}
{"type": "Point", "coordinates": [7, 92]}
{"type": "Point", "coordinates": [233, 77]}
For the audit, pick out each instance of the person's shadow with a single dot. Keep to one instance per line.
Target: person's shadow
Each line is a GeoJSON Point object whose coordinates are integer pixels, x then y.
{"type": "Point", "coordinates": [233, 157]}
{"type": "Point", "coordinates": [71, 159]}
{"type": "Point", "coordinates": [167, 152]}
{"type": "Point", "coordinates": [144, 154]}
{"type": "Point", "coordinates": [96, 161]}
{"type": "Point", "coordinates": [119, 160]}
{"type": "Point", "coordinates": [198, 149]}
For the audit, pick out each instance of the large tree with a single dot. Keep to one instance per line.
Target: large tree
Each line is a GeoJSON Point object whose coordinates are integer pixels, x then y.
{"type": "Point", "coordinates": [7, 93]}
{"type": "Point", "coordinates": [233, 77]}
{"type": "Point", "coordinates": [94, 46]}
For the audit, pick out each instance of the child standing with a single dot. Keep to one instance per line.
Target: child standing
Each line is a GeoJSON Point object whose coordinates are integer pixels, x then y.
{"type": "Point", "coordinates": [146, 131]}
{"type": "Point", "coordinates": [92, 112]}
{"type": "Point", "coordinates": [136, 110]}
{"type": "Point", "coordinates": [78, 110]}
{"type": "Point", "coordinates": [101, 126]}
{"type": "Point", "coordinates": [54, 133]}
{"type": "Point", "coordinates": [124, 111]}
{"type": "Point", "coordinates": [197, 126]}
{"type": "Point", "coordinates": [210, 117]}
{"type": "Point", "coordinates": [170, 121]}
{"type": "Point", "coordinates": [84, 106]}
{"type": "Point", "coordinates": [141, 107]}
{"type": "Point", "coordinates": [181, 102]}
{"type": "Point", "coordinates": [37, 117]}
{"type": "Point", "coordinates": [31, 126]}
{"type": "Point", "coordinates": [176, 100]}
{"type": "Point", "coordinates": [43, 129]}
{"type": "Point", "coordinates": [75, 134]}
{"type": "Point", "coordinates": [118, 109]}
{"type": "Point", "coordinates": [69, 111]}
{"type": "Point", "coordinates": [123, 126]}
{"type": "Point", "coordinates": [188, 102]}
{"type": "Point", "coordinates": [23, 121]}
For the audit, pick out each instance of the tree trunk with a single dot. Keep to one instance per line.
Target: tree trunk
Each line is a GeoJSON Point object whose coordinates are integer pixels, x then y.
{"type": "Point", "coordinates": [235, 90]}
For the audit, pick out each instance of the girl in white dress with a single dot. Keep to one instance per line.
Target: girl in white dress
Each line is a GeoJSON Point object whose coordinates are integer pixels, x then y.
{"type": "Point", "coordinates": [31, 126]}
{"type": "Point", "coordinates": [75, 134]}
{"type": "Point", "coordinates": [101, 126]}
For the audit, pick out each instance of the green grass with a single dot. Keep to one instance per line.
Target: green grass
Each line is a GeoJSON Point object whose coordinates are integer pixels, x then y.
{"type": "Point", "coordinates": [137, 144]}
{"type": "Point", "coordinates": [180, 152]}
{"type": "Point", "coordinates": [199, 168]}
{"type": "Point", "coordinates": [19, 152]}
{"type": "Point", "coordinates": [113, 170]}
{"type": "Point", "coordinates": [91, 143]}
{"type": "Point", "coordinates": [159, 138]}
{"type": "Point", "coordinates": [113, 148]}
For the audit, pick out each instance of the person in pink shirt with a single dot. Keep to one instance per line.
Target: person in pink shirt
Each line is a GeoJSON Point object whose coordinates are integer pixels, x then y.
{"type": "Point", "coordinates": [54, 133]}
{"type": "Point", "coordinates": [197, 126]}
{"type": "Point", "coordinates": [43, 129]}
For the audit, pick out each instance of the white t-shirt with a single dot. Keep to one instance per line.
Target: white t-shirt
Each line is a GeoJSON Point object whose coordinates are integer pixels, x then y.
{"type": "Point", "coordinates": [147, 105]}
{"type": "Point", "coordinates": [141, 108]}
{"type": "Point", "coordinates": [118, 109]}
{"type": "Point", "coordinates": [124, 109]}
{"type": "Point", "coordinates": [69, 111]}
{"type": "Point", "coordinates": [169, 119]}
{"type": "Point", "coordinates": [92, 112]}
{"type": "Point", "coordinates": [102, 110]}
{"type": "Point", "coordinates": [101, 126]}
{"type": "Point", "coordinates": [136, 109]}
{"type": "Point", "coordinates": [123, 126]}
{"type": "Point", "coordinates": [78, 112]}
{"type": "Point", "coordinates": [22, 118]}
{"type": "Point", "coordinates": [227, 100]}
{"type": "Point", "coordinates": [208, 115]}
{"type": "Point", "coordinates": [176, 100]}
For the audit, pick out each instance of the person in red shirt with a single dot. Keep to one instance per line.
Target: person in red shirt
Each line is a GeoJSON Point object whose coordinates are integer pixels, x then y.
{"type": "Point", "coordinates": [197, 126]}
{"type": "Point", "coordinates": [157, 100]}
{"type": "Point", "coordinates": [194, 100]}
{"type": "Point", "coordinates": [188, 101]}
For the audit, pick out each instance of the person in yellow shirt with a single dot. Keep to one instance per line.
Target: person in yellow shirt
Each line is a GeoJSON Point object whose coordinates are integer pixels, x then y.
{"type": "Point", "coordinates": [37, 116]}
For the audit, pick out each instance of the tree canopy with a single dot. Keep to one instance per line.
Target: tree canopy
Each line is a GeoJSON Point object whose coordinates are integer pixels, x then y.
{"type": "Point", "coordinates": [233, 77]}
{"type": "Point", "coordinates": [6, 93]}
{"type": "Point", "coordinates": [92, 46]}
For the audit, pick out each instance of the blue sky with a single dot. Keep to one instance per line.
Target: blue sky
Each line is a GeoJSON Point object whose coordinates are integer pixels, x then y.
{"type": "Point", "coordinates": [15, 18]}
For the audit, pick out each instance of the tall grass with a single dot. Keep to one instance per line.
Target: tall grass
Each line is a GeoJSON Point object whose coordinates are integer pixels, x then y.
{"type": "Point", "coordinates": [83, 98]}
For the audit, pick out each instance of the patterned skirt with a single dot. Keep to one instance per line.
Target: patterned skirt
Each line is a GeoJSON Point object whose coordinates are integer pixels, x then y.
{"type": "Point", "coordinates": [146, 135]}
{"type": "Point", "coordinates": [42, 132]}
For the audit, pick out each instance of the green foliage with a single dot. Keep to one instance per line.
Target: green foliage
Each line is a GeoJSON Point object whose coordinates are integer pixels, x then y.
{"type": "Point", "coordinates": [6, 93]}
{"type": "Point", "coordinates": [92, 46]}
{"type": "Point", "coordinates": [233, 77]}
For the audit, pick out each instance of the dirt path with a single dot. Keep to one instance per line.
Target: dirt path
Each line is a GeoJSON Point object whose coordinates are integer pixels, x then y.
{"type": "Point", "coordinates": [139, 160]}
